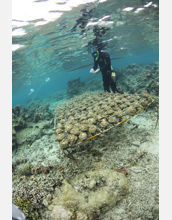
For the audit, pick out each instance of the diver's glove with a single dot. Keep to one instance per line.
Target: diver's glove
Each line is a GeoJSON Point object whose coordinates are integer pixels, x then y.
{"type": "Point", "coordinates": [97, 71]}
{"type": "Point", "coordinates": [92, 71]}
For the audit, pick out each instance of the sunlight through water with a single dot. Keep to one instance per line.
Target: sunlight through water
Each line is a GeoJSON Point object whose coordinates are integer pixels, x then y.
{"type": "Point", "coordinates": [52, 37]}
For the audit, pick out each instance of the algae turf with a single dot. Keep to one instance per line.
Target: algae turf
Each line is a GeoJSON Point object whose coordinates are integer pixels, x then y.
{"type": "Point", "coordinates": [96, 153]}
{"type": "Point", "coordinates": [26, 170]}
{"type": "Point", "coordinates": [89, 192]}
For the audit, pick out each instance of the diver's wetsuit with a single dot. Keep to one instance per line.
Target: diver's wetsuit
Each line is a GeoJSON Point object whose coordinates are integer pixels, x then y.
{"type": "Point", "coordinates": [104, 63]}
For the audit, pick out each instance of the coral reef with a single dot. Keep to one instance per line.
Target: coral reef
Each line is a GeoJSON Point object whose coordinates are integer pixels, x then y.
{"type": "Point", "coordinates": [33, 132]}
{"type": "Point", "coordinates": [27, 207]}
{"type": "Point", "coordinates": [132, 79]}
{"type": "Point", "coordinates": [75, 87]}
{"type": "Point", "coordinates": [29, 198]}
{"type": "Point", "coordinates": [18, 123]}
{"type": "Point", "coordinates": [38, 169]}
{"type": "Point", "coordinates": [16, 110]}
{"type": "Point", "coordinates": [114, 150]}
{"type": "Point", "coordinates": [36, 112]}
{"type": "Point", "coordinates": [28, 169]}
{"type": "Point", "coordinates": [47, 184]}
{"type": "Point", "coordinates": [18, 119]}
{"type": "Point", "coordinates": [30, 191]}
{"type": "Point", "coordinates": [86, 115]}
{"type": "Point", "coordinates": [137, 78]}
{"type": "Point", "coordinates": [23, 123]}
{"type": "Point", "coordinates": [88, 194]}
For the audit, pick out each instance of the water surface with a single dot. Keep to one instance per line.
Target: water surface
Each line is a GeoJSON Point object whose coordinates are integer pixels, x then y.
{"type": "Point", "coordinates": [54, 45]}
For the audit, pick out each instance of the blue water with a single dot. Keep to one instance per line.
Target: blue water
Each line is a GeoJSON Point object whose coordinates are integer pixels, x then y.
{"type": "Point", "coordinates": [54, 50]}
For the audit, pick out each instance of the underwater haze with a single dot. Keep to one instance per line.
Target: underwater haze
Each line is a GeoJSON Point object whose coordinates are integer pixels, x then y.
{"type": "Point", "coordinates": [73, 157]}
{"type": "Point", "coordinates": [52, 39]}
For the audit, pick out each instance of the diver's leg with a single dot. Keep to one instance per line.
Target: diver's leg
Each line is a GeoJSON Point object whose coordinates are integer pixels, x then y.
{"type": "Point", "coordinates": [106, 83]}
{"type": "Point", "coordinates": [113, 85]}
{"type": "Point", "coordinates": [114, 88]}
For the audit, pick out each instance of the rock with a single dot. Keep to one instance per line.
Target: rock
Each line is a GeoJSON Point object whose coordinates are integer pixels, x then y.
{"type": "Point", "coordinates": [59, 213]}
{"type": "Point", "coordinates": [136, 169]}
{"type": "Point", "coordinates": [136, 143]}
{"type": "Point", "coordinates": [16, 110]}
{"type": "Point", "coordinates": [31, 133]}
{"type": "Point", "coordinates": [23, 123]}
{"type": "Point", "coordinates": [120, 211]}
{"type": "Point", "coordinates": [28, 135]}
{"type": "Point", "coordinates": [48, 131]}
{"type": "Point", "coordinates": [155, 211]}
{"type": "Point", "coordinates": [119, 218]}
{"type": "Point", "coordinates": [92, 184]}
{"type": "Point", "coordinates": [89, 192]}
{"type": "Point", "coordinates": [81, 216]}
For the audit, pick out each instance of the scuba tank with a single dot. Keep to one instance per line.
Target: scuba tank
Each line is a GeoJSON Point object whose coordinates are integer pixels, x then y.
{"type": "Point", "coordinates": [113, 74]}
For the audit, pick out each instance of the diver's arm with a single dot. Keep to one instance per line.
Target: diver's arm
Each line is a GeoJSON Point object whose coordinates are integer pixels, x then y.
{"type": "Point", "coordinates": [95, 64]}
{"type": "Point", "coordinates": [97, 71]}
{"type": "Point", "coordinates": [94, 70]}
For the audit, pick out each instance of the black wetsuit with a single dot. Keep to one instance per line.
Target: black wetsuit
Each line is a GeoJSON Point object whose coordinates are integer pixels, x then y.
{"type": "Point", "coordinates": [104, 63]}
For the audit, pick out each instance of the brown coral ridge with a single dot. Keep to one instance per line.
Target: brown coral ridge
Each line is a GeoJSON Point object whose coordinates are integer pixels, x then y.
{"type": "Point", "coordinates": [38, 169]}
{"type": "Point", "coordinates": [91, 114]}
{"type": "Point", "coordinates": [122, 170]}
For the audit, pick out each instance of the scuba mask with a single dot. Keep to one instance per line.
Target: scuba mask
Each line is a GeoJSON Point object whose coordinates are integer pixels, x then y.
{"type": "Point", "coordinates": [95, 54]}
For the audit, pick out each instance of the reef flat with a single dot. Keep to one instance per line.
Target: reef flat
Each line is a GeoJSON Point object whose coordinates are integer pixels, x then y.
{"type": "Point", "coordinates": [113, 176]}
{"type": "Point", "coordinates": [41, 170]}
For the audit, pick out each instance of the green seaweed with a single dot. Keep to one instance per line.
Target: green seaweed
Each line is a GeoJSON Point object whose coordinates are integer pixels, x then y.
{"type": "Point", "coordinates": [133, 163]}
{"type": "Point", "coordinates": [27, 207]}
{"type": "Point", "coordinates": [95, 153]}
{"type": "Point", "coordinates": [26, 170]}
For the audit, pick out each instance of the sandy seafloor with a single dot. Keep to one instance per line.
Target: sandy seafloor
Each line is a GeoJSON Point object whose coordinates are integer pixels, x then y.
{"type": "Point", "coordinates": [133, 145]}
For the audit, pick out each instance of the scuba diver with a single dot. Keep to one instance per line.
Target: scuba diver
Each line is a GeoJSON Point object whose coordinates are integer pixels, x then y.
{"type": "Point", "coordinates": [109, 77]}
